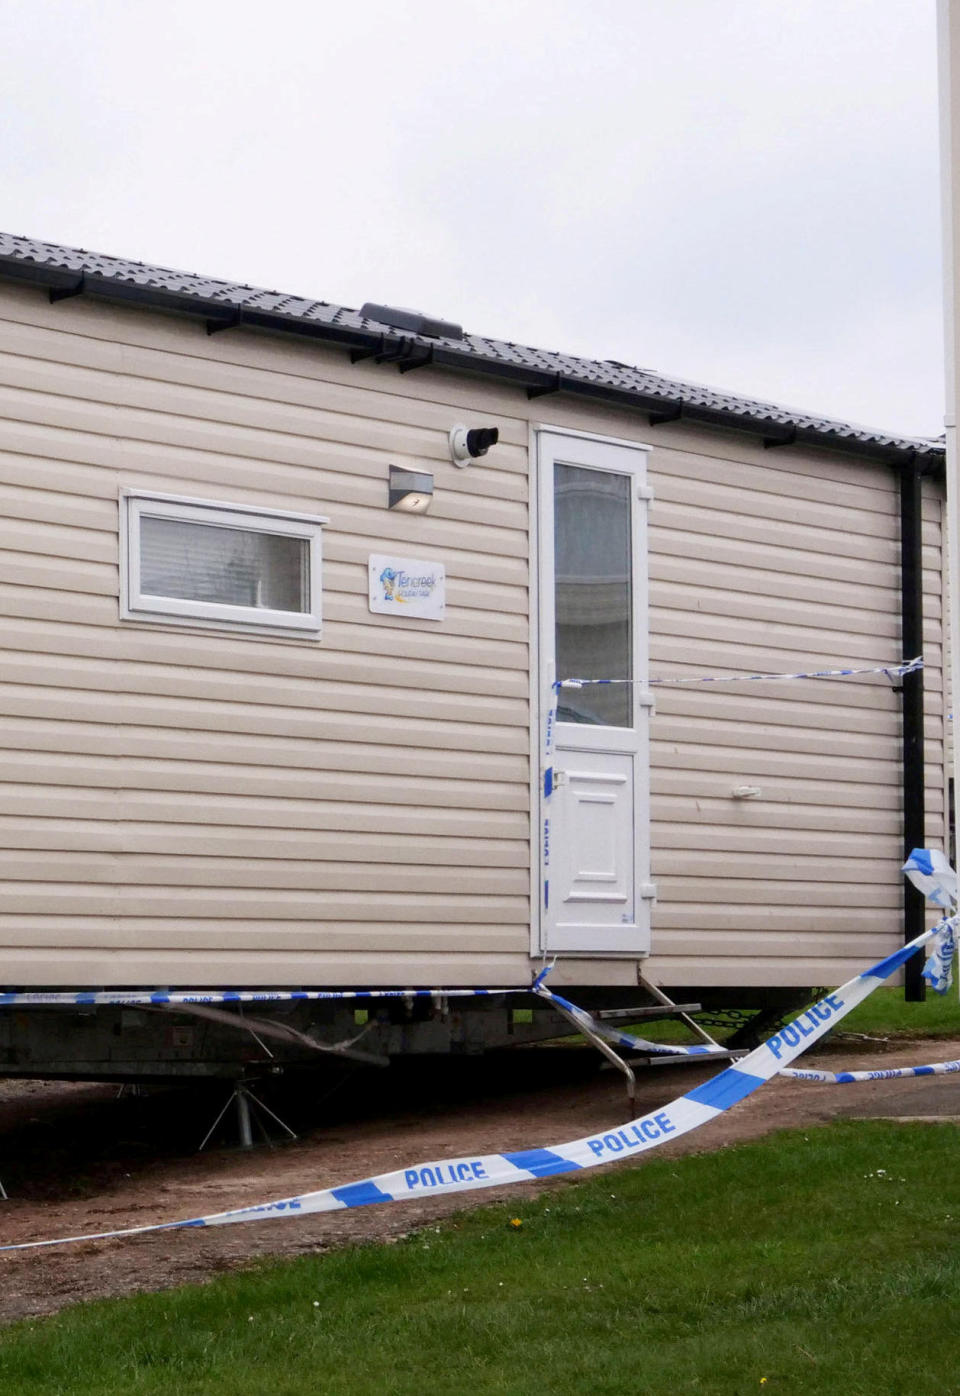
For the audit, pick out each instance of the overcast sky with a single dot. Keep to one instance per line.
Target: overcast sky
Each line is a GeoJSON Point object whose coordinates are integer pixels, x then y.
{"type": "Point", "coordinates": [738, 192]}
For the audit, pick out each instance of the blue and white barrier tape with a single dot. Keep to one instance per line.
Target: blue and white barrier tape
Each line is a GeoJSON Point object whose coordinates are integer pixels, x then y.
{"type": "Point", "coordinates": [892, 671]}
{"type": "Point", "coordinates": [930, 872]}
{"type": "Point", "coordinates": [890, 1073]}
{"type": "Point", "coordinates": [624, 1039]}
{"type": "Point", "coordinates": [938, 970]}
{"type": "Point", "coordinates": [143, 998]}
{"type": "Point", "coordinates": [468, 1173]}
{"type": "Point", "coordinates": [170, 998]}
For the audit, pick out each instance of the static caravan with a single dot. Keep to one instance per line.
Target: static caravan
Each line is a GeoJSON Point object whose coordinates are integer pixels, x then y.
{"type": "Point", "coordinates": [292, 597]}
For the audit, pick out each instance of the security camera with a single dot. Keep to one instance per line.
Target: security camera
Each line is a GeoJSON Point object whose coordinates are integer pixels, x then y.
{"type": "Point", "coordinates": [470, 443]}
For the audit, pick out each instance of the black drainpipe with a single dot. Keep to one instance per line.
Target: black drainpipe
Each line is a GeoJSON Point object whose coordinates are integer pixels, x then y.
{"type": "Point", "coordinates": [911, 610]}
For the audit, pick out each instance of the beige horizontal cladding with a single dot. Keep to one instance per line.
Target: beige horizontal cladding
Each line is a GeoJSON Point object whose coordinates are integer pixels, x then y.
{"type": "Point", "coordinates": [846, 500]}
{"type": "Point", "coordinates": [503, 694]}
{"type": "Point", "coordinates": [751, 533]}
{"type": "Point", "coordinates": [715, 653]}
{"type": "Point", "coordinates": [788, 703]}
{"type": "Point", "coordinates": [211, 761]}
{"type": "Point", "coordinates": [264, 813]}
{"type": "Point", "coordinates": [200, 806]}
{"type": "Point", "coordinates": [784, 567]}
{"type": "Point", "coordinates": [834, 967]}
{"type": "Point", "coordinates": [730, 893]}
{"type": "Point", "coordinates": [438, 722]}
{"type": "Point", "coordinates": [181, 842]}
{"type": "Point", "coordinates": [770, 832]}
{"type": "Point", "coordinates": [836, 771]}
{"type": "Point", "coordinates": [872, 944]}
{"type": "Point", "coordinates": [88, 461]}
{"type": "Point", "coordinates": [416, 749]}
{"type": "Point", "coordinates": [43, 967]}
{"type": "Point", "coordinates": [184, 806]}
{"type": "Point", "coordinates": [202, 778]}
{"type": "Point", "coordinates": [274, 705]}
{"type": "Point", "coordinates": [679, 605]}
{"type": "Point", "coordinates": [849, 916]}
{"type": "Point", "coordinates": [185, 929]}
{"type": "Point", "coordinates": [682, 822]}
{"type": "Point", "coordinates": [725, 551]}
{"type": "Point", "coordinates": [803, 705]}
{"type": "Point", "coordinates": [816, 646]}
{"type": "Point", "coordinates": [690, 565]}
{"type": "Point", "coordinates": [490, 617]}
{"type": "Point", "coordinates": [469, 665]}
{"type": "Point", "coordinates": [276, 442]}
{"type": "Point", "coordinates": [370, 906]}
{"type": "Point", "coordinates": [778, 735]}
{"type": "Point", "coordinates": [223, 872]}
{"type": "Point", "coordinates": [827, 868]}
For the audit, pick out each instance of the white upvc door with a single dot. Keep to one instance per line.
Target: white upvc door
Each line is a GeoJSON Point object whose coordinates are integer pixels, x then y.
{"type": "Point", "coordinates": [596, 892]}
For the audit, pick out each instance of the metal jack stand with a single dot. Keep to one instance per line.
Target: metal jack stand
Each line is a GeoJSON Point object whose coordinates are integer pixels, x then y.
{"type": "Point", "coordinates": [244, 1098]}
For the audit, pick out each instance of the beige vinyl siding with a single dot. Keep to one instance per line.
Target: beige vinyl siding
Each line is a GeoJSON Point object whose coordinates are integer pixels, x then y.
{"type": "Point", "coordinates": [190, 807]}
{"type": "Point", "coordinates": [777, 560]}
{"type": "Point", "coordinates": [780, 561]}
{"type": "Point", "coordinates": [196, 807]}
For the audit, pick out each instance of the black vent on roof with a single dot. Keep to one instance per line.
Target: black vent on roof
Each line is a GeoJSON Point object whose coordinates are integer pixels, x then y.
{"type": "Point", "coordinates": [413, 320]}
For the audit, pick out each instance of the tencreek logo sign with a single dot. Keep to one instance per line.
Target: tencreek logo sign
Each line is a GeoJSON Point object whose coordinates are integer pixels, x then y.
{"type": "Point", "coordinates": [406, 586]}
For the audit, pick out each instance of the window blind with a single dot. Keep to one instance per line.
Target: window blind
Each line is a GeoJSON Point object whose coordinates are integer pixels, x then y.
{"type": "Point", "coordinates": [227, 566]}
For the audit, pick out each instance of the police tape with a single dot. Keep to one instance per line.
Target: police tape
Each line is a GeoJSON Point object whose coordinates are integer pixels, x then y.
{"type": "Point", "coordinates": [554, 687]}
{"type": "Point", "coordinates": [890, 671]}
{"type": "Point", "coordinates": [471, 1172]}
{"type": "Point", "coordinates": [619, 1038]}
{"type": "Point", "coordinates": [171, 998]}
{"type": "Point", "coordinates": [144, 998]}
{"type": "Point", "coordinates": [890, 1073]}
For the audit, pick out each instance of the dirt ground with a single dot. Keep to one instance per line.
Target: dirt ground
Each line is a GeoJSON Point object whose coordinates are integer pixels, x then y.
{"type": "Point", "coordinates": [76, 1158]}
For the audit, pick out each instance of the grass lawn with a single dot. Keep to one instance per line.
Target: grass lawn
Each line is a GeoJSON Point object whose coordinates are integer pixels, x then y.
{"type": "Point", "coordinates": [883, 1014]}
{"type": "Point", "coordinates": [813, 1262]}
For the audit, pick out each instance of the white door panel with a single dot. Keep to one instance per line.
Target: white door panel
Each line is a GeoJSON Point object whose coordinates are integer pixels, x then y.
{"type": "Point", "coordinates": [595, 798]}
{"type": "Point", "coordinates": [593, 849]}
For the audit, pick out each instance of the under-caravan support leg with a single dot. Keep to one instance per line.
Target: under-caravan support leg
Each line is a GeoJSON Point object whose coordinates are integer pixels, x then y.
{"type": "Point", "coordinates": [243, 1119]}
{"type": "Point", "coordinates": [607, 1051]}
{"type": "Point", "coordinates": [243, 1097]}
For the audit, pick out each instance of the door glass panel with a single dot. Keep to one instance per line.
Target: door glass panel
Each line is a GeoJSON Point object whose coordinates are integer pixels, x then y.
{"type": "Point", "coordinates": [594, 619]}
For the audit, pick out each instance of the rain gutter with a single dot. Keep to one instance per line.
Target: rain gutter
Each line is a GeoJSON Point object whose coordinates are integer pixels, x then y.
{"type": "Point", "coordinates": [409, 353]}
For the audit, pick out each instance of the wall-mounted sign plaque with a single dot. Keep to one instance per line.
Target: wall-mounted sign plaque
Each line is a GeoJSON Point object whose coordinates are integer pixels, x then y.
{"type": "Point", "coordinates": [407, 586]}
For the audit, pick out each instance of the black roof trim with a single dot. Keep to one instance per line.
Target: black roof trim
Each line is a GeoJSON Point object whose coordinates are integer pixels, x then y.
{"type": "Point", "coordinates": [225, 305]}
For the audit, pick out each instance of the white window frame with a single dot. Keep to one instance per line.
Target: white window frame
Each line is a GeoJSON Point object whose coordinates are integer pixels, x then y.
{"type": "Point", "coordinates": [173, 610]}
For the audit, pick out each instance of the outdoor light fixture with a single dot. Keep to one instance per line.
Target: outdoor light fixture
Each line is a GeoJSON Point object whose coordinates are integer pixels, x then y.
{"type": "Point", "coordinates": [410, 490]}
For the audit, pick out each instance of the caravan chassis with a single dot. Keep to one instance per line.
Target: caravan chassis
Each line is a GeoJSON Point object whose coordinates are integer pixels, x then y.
{"type": "Point", "coordinates": [166, 1042]}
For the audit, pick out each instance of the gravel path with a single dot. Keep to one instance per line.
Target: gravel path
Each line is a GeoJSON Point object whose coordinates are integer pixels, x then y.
{"type": "Point", "coordinates": [74, 1158]}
